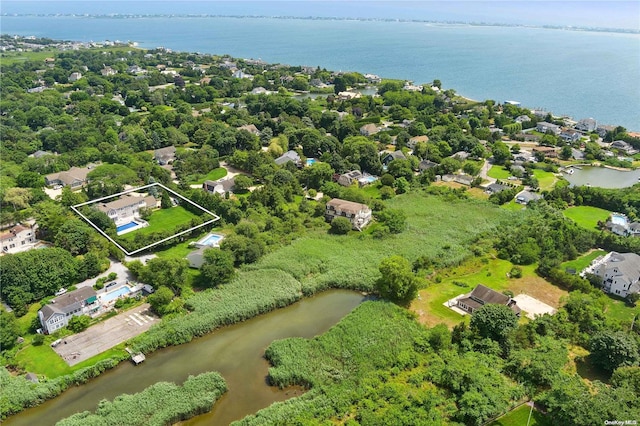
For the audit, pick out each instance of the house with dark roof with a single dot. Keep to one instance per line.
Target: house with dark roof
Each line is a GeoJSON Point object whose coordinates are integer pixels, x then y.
{"type": "Point", "coordinates": [57, 314]}
{"type": "Point", "coordinates": [390, 156]}
{"type": "Point", "coordinates": [196, 257]}
{"type": "Point", "coordinates": [292, 156]}
{"type": "Point", "coordinates": [623, 147]}
{"type": "Point", "coordinates": [494, 188]}
{"type": "Point", "coordinates": [166, 155]}
{"type": "Point", "coordinates": [220, 187]}
{"type": "Point", "coordinates": [544, 127]}
{"type": "Point", "coordinates": [482, 295]}
{"type": "Point", "coordinates": [426, 165]}
{"type": "Point", "coordinates": [587, 125]}
{"type": "Point", "coordinates": [358, 214]}
{"type": "Point", "coordinates": [349, 178]}
{"type": "Point", "coordinates": [620, 273]}
{"type": "Point", "coordinates": [525, 197]}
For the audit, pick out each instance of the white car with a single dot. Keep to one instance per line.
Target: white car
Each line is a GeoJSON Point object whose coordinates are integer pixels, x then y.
{"type": "Point", "coordinates": [60, 292]}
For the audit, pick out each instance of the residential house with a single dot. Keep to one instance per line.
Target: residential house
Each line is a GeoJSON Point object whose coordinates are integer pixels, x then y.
{"type": "Point", "coordinates": [494, 188]}
{"type": "Point", "coordinates": [461, 179]}
{"type": "Point", "coordinates": [482, 295]}
{"type": "Point", "coordinates": [369, 129]}
{"type": "Point", "coordinates": [349, 178]}
{"type": "Point", "coordinates": [359, 214]}
{"type": "Point", "coordinates": [569, 135]}
{"type": "Point", "coordinates": [251, 128]}
{"type": "Point", "coordinates": [40, 154]}
{"type": "Point", "coordinates": [525, 197]}
{"type": "Point", "coordinates": [388, 157]}
{"type": "Point", "coordinates": [108, 71]}
{"type": "Point", "coordinates": [587, 125]}
{"type": "Point", "coordinates": [426, 165]}
{"type": "Point", "coordinates": [412, 87]}
{"type": "Point", "coordinates": [346, 96]}
{"type": "Point", "coordinates": [196, 257]}
{"type": "Point", "coordinates": [18, 238]}
{"type": "Point", "coordinates": [372, 78]}
{"type": "Point", "coordinates": [620, 273]}
{"type": "Point", "coordinates": [460, 155]}
{"type": "Point", "coordinates": [411, 144]}
{"type": "Point", "coordinates": [242, 74]}
{"type": "Point", "coordinates": [166, 155]}
{"type": "Point", "coordinates": [547, 151]}
{"type": "Point", "coordinates": [544, 127]}
{"type": "Point", "coordinates": [75, 177]}
{"type": "Point", "coordinates": [292, 156]}
{"type": "Point", "coordinates": [220, 187]}
{"type": "Point", "coordinates": [57, 314]}
{"type": "Point", "coordinates": [75, 76]}
{"type": "Point", "coordinates": [522, 119]}
{"type": "Point", "coordinates": [619, 224]}
{"type": "Point", "coordinates": [127, 208]}
{"type": "Point", "coordinates": [624, 147]}
{"type": "Point", "coordinates": [135, 69]}
{"type": "Point", "coordinates": [603, 129]}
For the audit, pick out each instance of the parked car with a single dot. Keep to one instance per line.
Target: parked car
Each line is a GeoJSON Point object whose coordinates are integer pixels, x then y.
{"type": "Point", "coordinates": [60, 292]}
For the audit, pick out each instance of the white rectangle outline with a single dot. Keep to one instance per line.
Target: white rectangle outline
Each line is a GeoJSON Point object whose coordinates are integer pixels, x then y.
{"type": "Point", "coordinates": [75, 209]}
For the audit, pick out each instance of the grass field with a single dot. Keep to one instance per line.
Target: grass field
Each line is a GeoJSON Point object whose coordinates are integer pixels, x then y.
{"type": "Point", "coordinates": [512, 206]}
{"type": "Point", "coordinates": [520, 416]}
{"type": "Point", "coordinates": [487, 271]}
{"type": "Point", "coordinates": [214, 174]}
{"type": "Point", "coordinates": [583, 261]}
{"type": "Point", "coordinates": [587, 216]}
{"type": "Point", "coordinates": [162, 220]}
{"type": "Point", "coordinates": [438, 228]}
{"type": "Point", "coordinates": [546, 180]}
{"type": "Point", "coordinates": [498, 172]}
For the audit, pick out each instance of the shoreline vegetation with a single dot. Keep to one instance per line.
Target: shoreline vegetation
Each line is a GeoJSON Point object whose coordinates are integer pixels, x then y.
{"type": "Point", "coordinates": [329, 18]}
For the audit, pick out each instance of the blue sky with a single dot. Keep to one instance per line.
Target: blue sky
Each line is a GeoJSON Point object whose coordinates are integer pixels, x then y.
{"type": "Point", "coordinates": [605, 14]}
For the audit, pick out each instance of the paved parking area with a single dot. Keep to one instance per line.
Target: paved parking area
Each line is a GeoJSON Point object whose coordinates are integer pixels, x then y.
{"type": "Point", "coordinates": [105, 335]}
{"type": "Point", "coordinates": [533, 307]}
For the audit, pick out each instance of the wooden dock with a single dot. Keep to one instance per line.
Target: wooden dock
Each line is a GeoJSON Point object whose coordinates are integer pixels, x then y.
{"type": "Point", "coordinates": [136, 358]}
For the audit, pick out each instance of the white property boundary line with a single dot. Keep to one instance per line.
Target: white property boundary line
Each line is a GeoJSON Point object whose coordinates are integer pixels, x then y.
{"type": "Point", "coordinates": [75, 209]}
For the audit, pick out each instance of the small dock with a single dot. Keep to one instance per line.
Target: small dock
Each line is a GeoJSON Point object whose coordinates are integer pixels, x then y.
{"type": "Point", "coordinates": [136, 358]}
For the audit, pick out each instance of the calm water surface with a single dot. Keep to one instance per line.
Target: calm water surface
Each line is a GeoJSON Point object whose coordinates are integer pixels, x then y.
{"type": "Point", "coordinates": [236, 352]}
{"type": "Point", "coordinates": [603, 177]}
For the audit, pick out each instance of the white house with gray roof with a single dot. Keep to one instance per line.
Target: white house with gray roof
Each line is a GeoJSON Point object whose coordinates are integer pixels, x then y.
{"type": "Point", "coordinates": [57, 314]}
{"type": "Point", "coordinates": [620, 273]}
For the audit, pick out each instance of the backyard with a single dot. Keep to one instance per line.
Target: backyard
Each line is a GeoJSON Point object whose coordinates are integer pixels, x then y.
{"type": "Point", "coordinates": [498, 172]}
{"type": "Point", "coordinates": [587, 216]}
{"type": "Point", "coordinates": [214, 174]}
{"type": "Point", "coordinates": [162, 220]}
{"type": "Point", "coordinates": [520, 417]}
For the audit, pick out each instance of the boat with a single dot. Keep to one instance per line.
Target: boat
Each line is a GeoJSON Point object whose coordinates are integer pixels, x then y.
{"type": "Point", "coordinates": [569, 171]}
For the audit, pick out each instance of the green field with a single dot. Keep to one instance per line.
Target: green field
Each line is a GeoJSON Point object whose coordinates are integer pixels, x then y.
{"type": "Point", "coordinates": [546, 180]}
{"type": "Point", "coordinates": [583, 261]}
{"type": "Point", "coordinates": [498, 172]}
{"type": "Point", "coordinates": [519, 417]}
{"type": "Point", "coordinates": [587, 216]}
{"type": "Point", "coordinates": [162, 220]}
{"type": "Point", "coordinates": [214, 174]}
{"type": "Point", "coordinates": [439, 228]}
{"type": "Point", "coordinates": [512, 206]}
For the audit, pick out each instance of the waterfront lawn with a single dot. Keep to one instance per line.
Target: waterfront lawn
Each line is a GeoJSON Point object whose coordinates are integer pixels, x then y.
{"type": "Point", "coordinates": [519, 417]}
{"type": "Point", "coordinates": [546, 180]}
{"type": "Point", "coordinates": [587, 216]}
{"type": "Point", "coordinates": [583, 261]}
{"type": "Point", "coordinates": [43, 360]}
{"type": "Point", "coordinates": [498, 172]}
{"type": "Point", "coordinates": [214, 174]}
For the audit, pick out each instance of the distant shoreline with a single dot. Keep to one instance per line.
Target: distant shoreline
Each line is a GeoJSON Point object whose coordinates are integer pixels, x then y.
{"type": "Point", "coordinates": [334, 18]}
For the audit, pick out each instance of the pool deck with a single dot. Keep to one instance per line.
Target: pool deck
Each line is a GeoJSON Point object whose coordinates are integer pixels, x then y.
{"type": "Point", "coordinates": [105, 335]}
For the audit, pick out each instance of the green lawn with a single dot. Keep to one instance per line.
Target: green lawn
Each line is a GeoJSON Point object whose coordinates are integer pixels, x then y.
{"type": "Point", "coordinates": [214, 174]}
{"type": "Point", "coordinates": [546, 180]}
{"type": "Point", "coordinates": [583, 261]}
{"type": "Point", "coordinates": [42, 360]}
{"type": "Point", "coordinates": [520, 416]}
{"type": "Point", "coordinates": [618, 309]}
{"type": "Point", "coordinates": [498, 172]}
{"type": "Point", "coordinates": [512, 206]}
{"type": "Point", "coordinates": [161, 220]}
{"type": "Point", "coordinates": [587, 216]}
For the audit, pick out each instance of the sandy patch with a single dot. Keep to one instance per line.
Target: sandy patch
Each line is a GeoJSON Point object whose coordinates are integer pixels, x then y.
{"type": "Point", "coordinates": [533, 307]}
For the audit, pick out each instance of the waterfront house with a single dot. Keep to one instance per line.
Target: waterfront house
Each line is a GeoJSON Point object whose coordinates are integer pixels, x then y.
{"type": "Point", "coordinates": [623, 147]}
{"type": "Point", "coordinates": [569, 135]}
{"type": "Point", "coordinates": [522, 119]}
{"type": "Point", "coordinates": [75, 177]}
{"type": "Point", "coordinates": [603, 129]}
{"type": "Point", "coordinates": [220, 187]}
{"type": "Point", "coordinates": [482, 295]}
{"type": "Point", "coordinates": [18, 238]}
{"type": "Point", "coordinates": [525, 197]}
{"type": "Point", "coordinates": [547, 151]}
{"type": "Point", "coordinates": [587, 125]}
{"type": "Point", "coordinates": [166, 155]}
{"type": "Point", "coordinates": [57, 314]}
{"type": "Point", "coordinates": [358, 214]}
{"type": "Point", "coordinates": [620, 273]}
{"type": "Point", "coordinates": [544, 127]}
{"type": "Point", "coordinates": [127, 208]}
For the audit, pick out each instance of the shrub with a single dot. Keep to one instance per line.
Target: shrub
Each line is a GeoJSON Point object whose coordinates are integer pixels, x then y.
{"type": "Point", "coordinates": [516, 272]}
{"type": "Point", "coordinates": [79, 323]}
{"type": "Point", "coordinates": [38, 340]}
{"type": "Point", "coordinates": [340, 225]}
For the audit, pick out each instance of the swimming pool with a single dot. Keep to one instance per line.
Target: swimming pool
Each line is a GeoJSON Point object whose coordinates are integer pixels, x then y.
{"type": "Point", "coordinates": [311, 161]}
{"type": "Point", "coordinates": [619, 219]}
{"type": "Point", "coordinates": [369, 179]}
{"type": "Point", "coordinates": [126, 226]}
{"type": "Point", "coordinates": [211, 240]}
{"type": "Point", "coordinates": [112, 295]}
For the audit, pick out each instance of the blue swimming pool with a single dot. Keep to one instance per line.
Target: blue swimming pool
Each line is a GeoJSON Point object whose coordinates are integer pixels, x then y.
{"type": "Point", "coordinates": [211, 240]}
{"type": "Point", "coordinates": [619, 219]}
{"type": "Point", "coordinates": [311, 161]}
{"type": "Point", "coordinates": [112, 295]}
{"type": "Point", "coordinates": [370, 179]}
{"type": "Point", "coordinates": [126, 226]}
